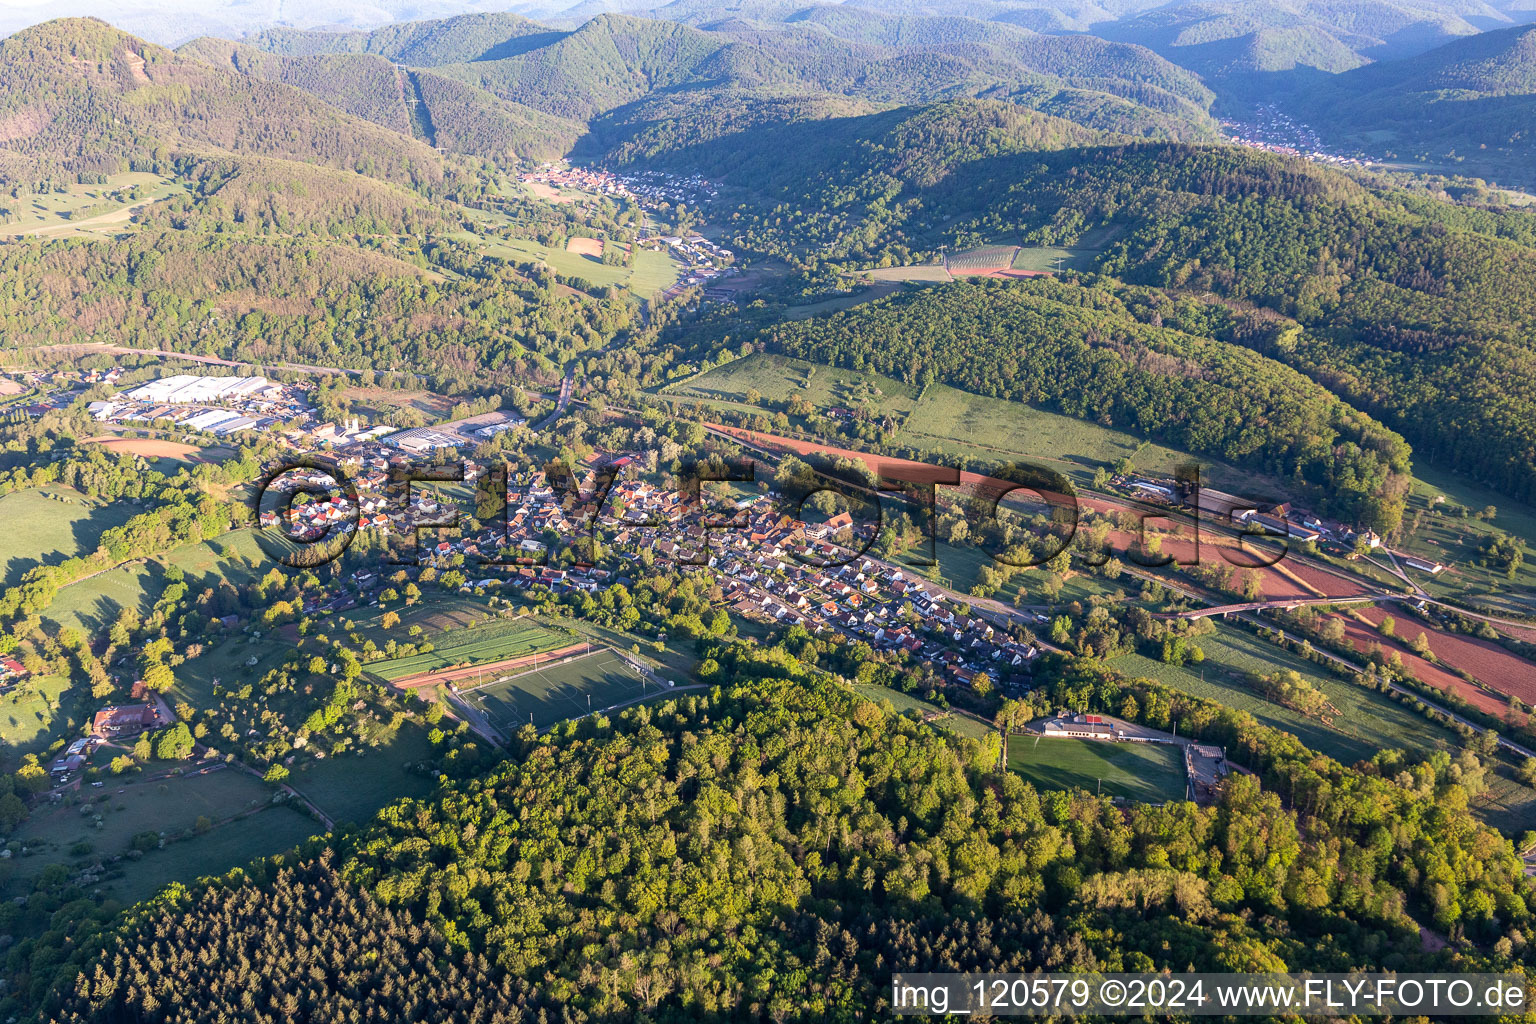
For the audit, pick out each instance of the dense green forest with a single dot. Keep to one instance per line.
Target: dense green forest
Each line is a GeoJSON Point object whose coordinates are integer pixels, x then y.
{"type": "Point", "coordinates": [1470, 101]}
{"type": "Point", "coordinates": [773, 849]}
{"type": "Point", "coordinates": [606, 65]}
{"type": "Point", "coordinates": [1127, 359]}
{"type": "Point", "coordinates": [440, 111]}
{"type": "Point", "coordinates": [81, 98]}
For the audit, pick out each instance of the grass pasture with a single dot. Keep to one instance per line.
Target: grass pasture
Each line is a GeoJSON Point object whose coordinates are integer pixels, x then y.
{"type": "Point", "coordinates": [495, 641]}
{"type": "Point", "coordinates": [47, 525]}
{"type": "Point", "coordinates": [233, 844]}
{"type": "Point", "coordinates": [1368, 721]}
{"type": "Point", "coordinates": [1507, 805]}
{"type": "Point", "coordinates": [92, 604]}
{"type": "Point", "coordinates": [554, 693]}
{"type": "Point", "coordinates": [1145, 772]}
{"type": "Point", "coordinates": [1050, 258]}
{"type": "Point", "coordinates": [777, 378]}
{"type": "Point", "coordinates": [352, 787]}
{"type": "Point", "coordinates": [925, 273]}
{"type": "Point", "coordinates": [85, 210]}
{"type": "Point", "coordinates": [904, 702]}
{"type": "Point", "coordinates": [372, 403]}
{"type": "Point", "coordinates": [648, 274]}
{"type": "Point", "coordinates": [957, 422]}
{"type": "Point", "coordinates": [170, 805]}
{"type": "Point", "coordinates": [28, 719]}
{"type": "Point", "coordinates": [225, 662]}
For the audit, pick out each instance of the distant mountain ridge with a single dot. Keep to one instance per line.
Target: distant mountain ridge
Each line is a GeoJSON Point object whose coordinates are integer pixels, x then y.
{"type": "Point", "coordinates": [612, 62]}
{"type": "Point", "coordinates": [444, 113]}
{"type": "Point", "coordinates": [1473, 98]}
{"type": "Point", "coordinates": [80, 97]}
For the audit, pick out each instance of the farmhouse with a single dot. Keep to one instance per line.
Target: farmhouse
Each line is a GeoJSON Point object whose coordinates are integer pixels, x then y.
{"type": "Point", "coordinates": [129, 720]}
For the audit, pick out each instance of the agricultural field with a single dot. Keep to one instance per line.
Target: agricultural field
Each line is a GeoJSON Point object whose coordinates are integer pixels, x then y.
{"type": "Point", "coordinates": [777, 378]}
{"type": "Point", "coordinates": [1145, 772]}
{"type": "Point", "coordinates": [45, 526]}
{"type": "Point", "coordinates": [922, 273]}
{"type": "Point", "coordinates": [552, 694]}
{"type": "Point", "coordinates": [86, 210]}
{"type": "Point", "coordinates": [982, 259]}
{"type": "Point", "coordinates": [158, 452]}
{"type": "Point", "coordinates": [496, 641]}
{"type": "Point", "coordinates": [436, 612]}
{"type": "Point", "coordinates": [551, 194]}
{"type": "Point", "coordinates": [1368, 721]}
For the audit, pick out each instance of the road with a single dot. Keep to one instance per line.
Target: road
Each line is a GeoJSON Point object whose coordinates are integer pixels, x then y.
{"type": "Point", "coordinates": [567, 388]}
{"type": "Point", "coordinates": [1286, 603]}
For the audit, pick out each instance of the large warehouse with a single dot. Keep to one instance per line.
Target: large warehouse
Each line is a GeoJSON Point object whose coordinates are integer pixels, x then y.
{"type": "Point", "coordinates": [184, 388]}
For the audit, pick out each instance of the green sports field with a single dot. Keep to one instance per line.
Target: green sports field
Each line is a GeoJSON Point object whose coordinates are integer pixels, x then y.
{"type": "Point", "coordinates": [495, 641]}
{"type": "Point", "coordinates": [552, 694]}
{"type": "Point", "coordinates": [1147, 772]}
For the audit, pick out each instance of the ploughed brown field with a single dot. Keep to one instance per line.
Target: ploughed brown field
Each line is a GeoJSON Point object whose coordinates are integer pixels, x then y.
{"type": "Point", "coordinates": [149, 448]}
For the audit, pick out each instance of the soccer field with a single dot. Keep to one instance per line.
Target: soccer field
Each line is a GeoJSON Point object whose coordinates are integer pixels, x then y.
{"type": "Point", "coordinates": [1148, 772]}
{"type": "Point", "coordinates": [495, 641]}
{"type": "Point", "coordinates": [554, 693]}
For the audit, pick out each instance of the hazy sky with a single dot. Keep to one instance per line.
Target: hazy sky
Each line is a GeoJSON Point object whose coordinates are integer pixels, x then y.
{"type": "Point", "coordinates": [170, 22]}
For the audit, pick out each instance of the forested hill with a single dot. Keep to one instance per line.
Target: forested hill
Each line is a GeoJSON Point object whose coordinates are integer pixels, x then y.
{"type": "Point", "coordinates": [613, 61]}
{"type": "Point", "coordinates": [1178, 372]}
{"type": "Point", "coordinates": [443, 112]}
{"type": "Point", "coordinates": [766, 146]}
{"type": "Point", "coordinates": [868, 186]}
{"type": "Point", "coordinates": [1475, 97]}
{"type": "Point", "coordinates": [425, 44]}
{"type": "Point", "coordinates": [78, 97]}
{"type": "Point", "coordinates": [774, 849]}
{"type": "Point", "coordinates": [1123, 68]}
{"type": "Point", "coordinates": [1416, 310]}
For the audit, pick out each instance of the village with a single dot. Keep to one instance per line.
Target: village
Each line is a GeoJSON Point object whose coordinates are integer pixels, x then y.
{"type": "Point", "coordinates": [700, 260]}
{"type": "Point", "coordinates": [771, 568]}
